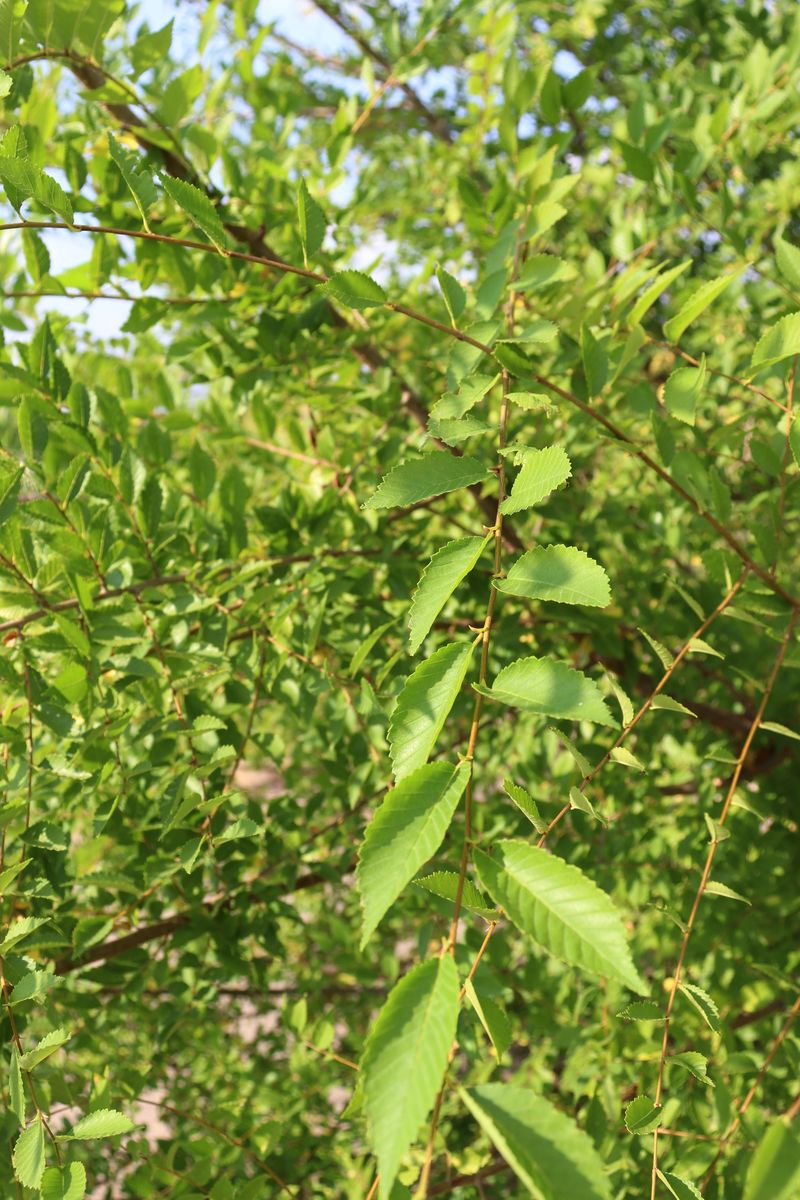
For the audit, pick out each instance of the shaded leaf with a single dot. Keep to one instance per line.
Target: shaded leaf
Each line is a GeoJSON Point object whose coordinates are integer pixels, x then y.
{"type": "Point", "coordinates": [561, 573]}
{"type": "Point", "coordinates": [405, 832]}
{"type": "Point", "coordinates": [542, 471]}
{"type": "Point", "coordinates": [355, 289]}
{"type": "Point", "coordinates": [547, 1151]}
{"type": "Point", "coordinates": [563, 910]}
{"type": "Point", "coordinates": [405, 1058]}
{"type": "Point", "coordinates": [446, 569]}
{"type": "Point", "coordinates": [423, 705]}
{"type": "Point", "coordinates": [421, 478]}
{"type": "Point", "coordinates": [550, 688]}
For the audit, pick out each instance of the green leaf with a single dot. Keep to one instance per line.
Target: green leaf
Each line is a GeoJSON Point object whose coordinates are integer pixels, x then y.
{"type": "Point", "coordinates": [787, 257]}
{"type": "Point", "coordinates": [539, 271]}
{"type": "Point", "coordinates": [9, 492]}
{"type": "Point", "coordinates": [701, 1001]}
{"type": "Point", "coordinates": [423, 706]}
{"type": "Point", "coordinates": [595, 361]}
{"type": "Point", "coordinates": [405, 1058]}
{"type": "Point", "coordinates": [106, 1122]}
{"type": "Point", "coordinates": [48, 1045]}
{"type": "Point", "coordinates": [641, 1010]}
{"type": "Point", "coordinates": [667, 703]}
{"type": "Point", "coordinates": [525, 803]}
{"type": "Point", "coordinates": [681, 1189]}
{"type": "Point", "coordinates": [655, 289]}
{"type": "Point", "coordinates": [28, 1155]}
{"type": "Point", "coordinates": [445, 571]}
{"type": "Point", "coordinates": [405, 832]}
{"type": "Point", "coordinates": [16, 1092]}
{"type": "Point", "coordinates": [697, 303]}
{"type": "Point", "coordinates": [37, 256]}
{"type": "Point", "coordinates": [663, 655]}
{"type": "Point", "coordinates": [433, 475]}
{"type": "Point", "coordinates": [137, 176]}
{"type": "Point", "coordinates": [542, 471]}
{"type": "Point", "coordinates": [779, 342]}
{"type": "Point", "coordinates": [355, 289]}
{"type": "Point", "coordinates": [696, 1064]}
{"type": "Point", "coordinates": [198, 209]}
{"type": "Point", "coordinates": [682, 390]}
{"type": "Point", "coordinates": [547, 1151]}
{"type": "Point", "coordinates": [23, 181]}
{"type": "Point", "coordinates": [531, 401]}
{"type": "Point", "coordinates": [642, 1115]}
{"type": "Point", "coordinates": [774, 1170]}
{"type": "Point", "coordinates": [311, 221]}
{"type": "Point", "coordinates": [67, 1183]}
{"type": "Point", "coordinates": [445, 885]}
{"type": "Point", "coordinates": [453, 405]}
{"type": "Point", "coordinates": [563, 910]}
{"type": "Point", "coordinates": [561, 573]}
{"type": "Point", "coordinates": [20, 929]}
{"type": "Point", "coordinates": [550, 688]}
{"type": "Point", "coordinates": [492, 1018]}
{"type": "Point", "coordinates": [783, 730]}
{"type": "Point", "coordinates": [714, 888]}
{"type": "Point", "coordinates": [623, 756]}
{"type": "Point", "coordinates": [455, 298]}
{"type": "Point", "coordinates": [582, 803]}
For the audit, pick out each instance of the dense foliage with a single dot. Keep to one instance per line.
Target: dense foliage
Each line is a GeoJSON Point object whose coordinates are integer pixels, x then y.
{"type": "Point", "coordinates": [398, 587]}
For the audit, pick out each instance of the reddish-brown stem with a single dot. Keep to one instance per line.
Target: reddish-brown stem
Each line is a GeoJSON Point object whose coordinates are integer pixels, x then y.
{"type": "Point", "coordinates": [662, 683]}
{"type": "Point", "coordinates": [712, 849]}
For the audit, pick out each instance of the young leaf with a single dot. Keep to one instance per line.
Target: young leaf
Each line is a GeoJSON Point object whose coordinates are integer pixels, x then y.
{"type": "Point", "coordinates": [779, 342]}
{"type": "Point", "coordinates": [681, 392]}
{"type": "Point", "coordinates": [595, 361]}
{"type": "Point", "coordinates": [48, 1045]}
{"type": "Point", "coordinates": [641, 1010]}
{"type": "Point", "coordinates": [432, 475]}
{"type": "Point", "coordinates": [542, 471]}
{"type": "Point", "coordinates": [311, 221]}
{"type": "Point", "coordinates": [492, 1018]}
{"type": "Point", "coordinates": [547, 1151]}
{"type": "Point", "coordinates": [696, 1064]}
{"type": "Point", "coordinates": [655, 289]}
{"type": "Point", "coordinates": [525, 803]}
{"type": "Point", "coordinates": [67, 1183]}
{"type": "Point", "coordinates": [703, 1003]}
{"type": "Point", "coordinates": [563, 910]}
{"type": "Point", "coordinates": [582, 803]}
{"type": "Point", "coordinates": [550, 688]}
{"type": "Point", "coordinates": [445, 571]}
{"type": "Point", "coordinates": [23, 181]}
{"type": "Point", "coordinates": [445, 885]}
{"type": "Point", "coordinates": [561, 573]}
{"type": "Point", "coordinates": [405, 1058]}
{"type": "Point", "coordinates": [455, 298]}
{"type": "Point", "coordinates": [681, 1189]}
{"type": "Point", "coordinates": [423, 705]}
{"type": "Point", "coordinates": [669, 705]}
{"type": "Point", "coordinates": [16, 1091]}
{"type": "Point", "coordinates": [405, 832]}
{"type": "Point", "coordinates": [787, 257]}
{"type": "Point", "coordinates": [642, 1115]}
{"type": "Point", "coordinates": [355, 289]}
{"type": "Point", "coordinates": [696, 304]}
{"type": "Point", "coordinates": [106, 1122]}
{"type": "Point", "coordinates": [623, 756]}
{"type": "Point", "coordinates": [774, 1170]}
{"type": "Point", "coordinates": [136, 173]}
{"type": "Point", "coordinates": [28, 1157]}
{"type": "Point", "coordinates": [714, 888]}
{"type": "Point", "coordinates": [198, 209]}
